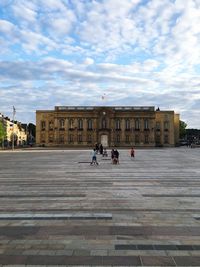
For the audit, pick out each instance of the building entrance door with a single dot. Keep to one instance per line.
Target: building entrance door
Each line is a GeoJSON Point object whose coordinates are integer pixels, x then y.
{"type": "Point", "coordinates": [104, 140]}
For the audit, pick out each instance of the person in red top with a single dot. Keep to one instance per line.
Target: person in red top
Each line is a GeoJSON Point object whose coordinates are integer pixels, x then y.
{"type": "Point", "coordinates": [132, 152]}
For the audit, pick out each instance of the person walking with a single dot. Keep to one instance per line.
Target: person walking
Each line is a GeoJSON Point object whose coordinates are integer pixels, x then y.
{"type": "Point", "coordinates": [112, 156]}
{"type": "Point", "coordinates": [116, 156]}
{"type": "Point", "coordinates": [94, 158]}
{"type": "Point", "coordinates": [101, 149]}
{"type": "Point", "coordinates": [132, 152]}
{"type": "Point", "coordinates": [97, 148]}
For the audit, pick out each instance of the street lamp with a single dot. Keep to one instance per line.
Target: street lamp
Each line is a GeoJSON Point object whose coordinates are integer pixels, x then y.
{"type": "Point", "coordinates": [14, 112]}
{"type": "Point", "coordinates": [3, 129]}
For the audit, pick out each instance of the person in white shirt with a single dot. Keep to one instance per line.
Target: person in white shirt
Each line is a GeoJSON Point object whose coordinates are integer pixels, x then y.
{"type": "Point", "coordinates": [94, 158]}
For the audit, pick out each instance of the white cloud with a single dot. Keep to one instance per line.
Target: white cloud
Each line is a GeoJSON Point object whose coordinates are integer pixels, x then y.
{"type": "Point", "coordinates": [6, 27]}
{"type": "Point", "coordinates": [132, 49]}
{"type": "Point", "coordinates": [88, 61]}
{"type": "Point", "coordinates": [21, 11]}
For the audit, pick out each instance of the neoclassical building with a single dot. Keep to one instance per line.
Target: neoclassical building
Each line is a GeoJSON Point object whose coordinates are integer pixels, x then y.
{"type": "Point", "coordinates": [121, 126]}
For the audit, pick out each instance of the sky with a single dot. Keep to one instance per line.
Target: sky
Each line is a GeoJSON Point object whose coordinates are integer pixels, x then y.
{"type": "Point", "coordinates": [100, 52]}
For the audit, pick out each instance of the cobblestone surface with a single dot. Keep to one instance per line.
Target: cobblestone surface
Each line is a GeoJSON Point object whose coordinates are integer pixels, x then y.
{"type": "Point", "coordinates": [57, 210]}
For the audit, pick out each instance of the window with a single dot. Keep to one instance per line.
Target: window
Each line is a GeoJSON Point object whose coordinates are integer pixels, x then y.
{"type": "Point", "coordinates": [50, 138]}
{"type": "Point", "coordinates": [61, 138]}
{"type": "Point", "coordinates": [118, 138]}
{"type": "Point", "coordinates": [127, 124]}
{"type": "Point", "coordinates": [146, 139]}
{"type": "Point", "coordinates": [103, 123]}
{"type": "Point", "coordinates": [166, 139]}
{"type": "Point", "coordinates": [61, 123]}
{"type": "Point", "coordinates": [157, 139]}
{"type": "Point", "coordinates": [166, 125]}
{"type": "Point", "coordinates": [89, 138]}
{"type": "Point", "coordinates": [127, 139]}
{"type": "Point", "coordinates": [117, 124]}
{"type": "Point", "coordinates": [71, 138]}
{"type": "Point", "coordinates": [80, 138]}
{"type": "Point", "coordinates": [80, 124]}
{"type": "Point", "coordinates": [71, 123]}
{"type": "Point", "coordinates": [137, 139]}
{"type": "Point", "coordinates": [43, 125]}
{"type": "Point", "coordinates": [157, 126]}
{"type": "Point", "coordinates": [146, 124]}
{"type": "Point", "coordinates": [51, 125]}
{"type": "Point", "coordinates": [137, 124]}
{"type": "Point", "coordinates": [89, 124]}
{"type": "Point", "coordinates": [42, 138]}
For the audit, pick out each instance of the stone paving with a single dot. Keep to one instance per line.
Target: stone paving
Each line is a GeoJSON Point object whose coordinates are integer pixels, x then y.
{"type": "Point", "coordinates": [57, 210]}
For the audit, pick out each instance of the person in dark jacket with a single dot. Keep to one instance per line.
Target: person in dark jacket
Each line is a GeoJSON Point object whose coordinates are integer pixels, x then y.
{"type": "Point", "coordinates": [101, 149]}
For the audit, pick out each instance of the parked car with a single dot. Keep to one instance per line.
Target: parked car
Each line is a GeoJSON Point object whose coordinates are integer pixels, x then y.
{"type": "Point", "coordinates": [183, 142]}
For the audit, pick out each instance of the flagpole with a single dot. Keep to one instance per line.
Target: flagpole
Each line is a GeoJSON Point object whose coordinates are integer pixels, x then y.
{"type": "Point", "coordinates": [13, 145]}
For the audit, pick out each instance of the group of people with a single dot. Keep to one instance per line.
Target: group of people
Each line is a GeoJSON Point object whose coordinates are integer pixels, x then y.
{"type": "Point", "coordinates": [103, 152]}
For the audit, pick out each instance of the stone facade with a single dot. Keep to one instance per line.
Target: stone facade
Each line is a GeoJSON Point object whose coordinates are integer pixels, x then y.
{"type": "Point", "coordinates": [76, 126]}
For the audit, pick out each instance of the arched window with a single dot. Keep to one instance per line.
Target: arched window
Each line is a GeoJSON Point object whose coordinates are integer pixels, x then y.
{"type": "Point", "coordinates": [80, 124]}
{"type": "Point", "coordinates": [166, 125]}
{"type": "Point", "coordinates": [89, 138]}
{"type": "Point", "coordinates": [127, 124]}
{"type": "Point", "coordinates": [80, 138]}
{"type": "Point", "coordinates": [127, 139]}
{"type": "Point", "coordinates": [61, 139]}
{"type": "Point", "coordinates": [71, 138]}
{"type": "Point", "coordinates": [137, 139]}
{"type": "Point", "coordinates": [117, 124]}
{"type": "Point", "coordinates": [146, 124]}
{"type": "Point", "coordinates": [146, 139]}
{"type": "Point", "coordinates": [103, 123]}
{"type": "Point", "coordinates": [89, 124]}
{"type": "Point", "coordinates": [51, 125]}
{"type": "Point", "coordinates": [157, 126]}
{"type": "Point", "coordinates": [166, 139]}
{"type": "Point", "coordinates": [43, 125]}
{"type": "Point", "coordinates": [71, 123]}
{"type": "Point", "coordinates": [137, 124]}
{"type": "Point", "coordinates": [51, 138]}
{"type": "Point", "coordinates": [61, 123]}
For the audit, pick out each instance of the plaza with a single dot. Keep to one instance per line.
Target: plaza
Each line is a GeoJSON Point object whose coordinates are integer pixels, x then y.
{"type": "Point", "coordinates": [57, 210]}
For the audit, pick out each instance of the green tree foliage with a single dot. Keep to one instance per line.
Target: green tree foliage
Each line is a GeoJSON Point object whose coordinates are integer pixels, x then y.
{"type": "Point", "coordinates": [31, 129]}
{"type": "Point", "coordinates": [2, 133]}
{"type": "Point", "coordinates": [182, 129]}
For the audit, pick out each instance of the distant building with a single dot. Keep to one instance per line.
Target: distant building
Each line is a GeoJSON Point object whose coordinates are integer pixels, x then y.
{"type": "Point", "coordinates": [122, 126]}
{"type": "Point", "coordinates": [13, 128]}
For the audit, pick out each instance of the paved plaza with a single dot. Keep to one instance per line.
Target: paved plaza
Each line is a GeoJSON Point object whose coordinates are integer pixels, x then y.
{"type": "Point", "coordinates": [57, 210]}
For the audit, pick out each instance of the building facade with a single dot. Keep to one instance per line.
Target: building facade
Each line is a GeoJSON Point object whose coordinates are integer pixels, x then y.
{"type": "Point", "coordinates": [13, 128]}
{"type": "Point", "coordinates": [76, 126]}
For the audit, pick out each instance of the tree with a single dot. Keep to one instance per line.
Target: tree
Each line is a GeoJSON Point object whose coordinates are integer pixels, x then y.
{"type": "Point", "coordinates": [182, 129]}
{"type": "Point", "coordinates": [2, 134]}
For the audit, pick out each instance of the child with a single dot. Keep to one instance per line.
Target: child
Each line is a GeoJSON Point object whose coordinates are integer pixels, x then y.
{"type": "Point", "coordinates": [94, 158]}
{"type": "Point", "coordinates": [132, 152]}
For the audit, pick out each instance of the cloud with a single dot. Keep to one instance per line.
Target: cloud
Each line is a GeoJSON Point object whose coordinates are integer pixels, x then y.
{"type": "Point", "coordinates": [24, 12]}
{"type": "Point", "coordinates": [88, 61]}
{"type": "Point", "coordinates": [143, 52]}
{"type": "Point", "coordinates": [6, 27]}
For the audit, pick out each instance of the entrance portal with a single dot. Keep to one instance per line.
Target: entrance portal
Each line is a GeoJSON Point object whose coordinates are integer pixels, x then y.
{"type": "Point", "coordinates": [104, 140]}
